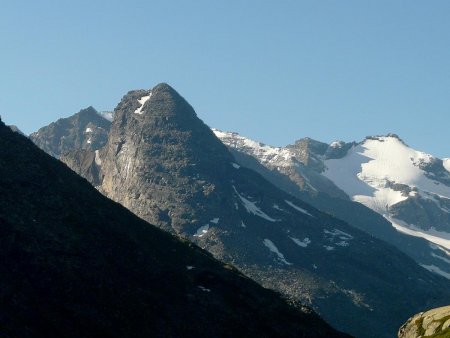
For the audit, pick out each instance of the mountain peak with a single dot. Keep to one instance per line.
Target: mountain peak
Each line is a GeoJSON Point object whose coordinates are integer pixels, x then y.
{"type": "Point", "coordinates": [383, 138]}
{"type": "Point", "coordinates": [88, 110]}
{"type": "Point", "coordinates": [161, 101]}
{"type": "Point", "coordinates": [164, 87]}
{"type": "Point", "coordinates": [86, 129]}
{"type": "Point", "coordinates": [157, 134]}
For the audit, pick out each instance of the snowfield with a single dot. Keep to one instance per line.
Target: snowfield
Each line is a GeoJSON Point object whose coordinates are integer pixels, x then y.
{"type": "Point", "coordinates": [367, 170]}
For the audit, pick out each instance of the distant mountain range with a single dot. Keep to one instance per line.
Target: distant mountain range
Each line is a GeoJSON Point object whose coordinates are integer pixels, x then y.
{"type": "Point", "coordinates": [410, 189]}
{"type": "Point", "coordinates": [169, 168]}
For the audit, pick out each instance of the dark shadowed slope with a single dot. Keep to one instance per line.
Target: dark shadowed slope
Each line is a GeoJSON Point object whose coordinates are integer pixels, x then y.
{"type": "Point", "coordinates": [75, 264]}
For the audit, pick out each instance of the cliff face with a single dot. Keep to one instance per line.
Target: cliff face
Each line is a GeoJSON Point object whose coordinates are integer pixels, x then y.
{"type": "Point", "coordinates": [164, 164]}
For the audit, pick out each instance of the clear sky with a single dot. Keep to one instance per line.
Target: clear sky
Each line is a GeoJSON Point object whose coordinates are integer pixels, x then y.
{"type": "Point", "coordinates": [274, 71]}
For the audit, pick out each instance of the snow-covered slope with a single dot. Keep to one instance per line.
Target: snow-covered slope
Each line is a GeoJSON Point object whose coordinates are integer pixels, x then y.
{"type": "Point", "coordinates": [280, 157]}
{"type": "Point", "coordinates": [409, 188]}
{"type": "Point", "coordinates": [446, 162]}
{"type": "Point", "coordinates": [294, 161]}
{"type": "Point", "coordinates": [386, 175]}
{"type": "Point", "coordinates": [369, 172]}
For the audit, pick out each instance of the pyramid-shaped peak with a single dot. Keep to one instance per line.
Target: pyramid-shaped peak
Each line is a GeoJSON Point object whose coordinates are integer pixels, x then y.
{"type": "Point", "coordinates": [164, 87]}
{"type": "Point", "coordinates": [160, 88]}
{"type": "Point", "coordinates": [160, 102]}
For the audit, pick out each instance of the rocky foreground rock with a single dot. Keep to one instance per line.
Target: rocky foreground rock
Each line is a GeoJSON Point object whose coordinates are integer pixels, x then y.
{"type": "Point", "coordinates": [433, 323]}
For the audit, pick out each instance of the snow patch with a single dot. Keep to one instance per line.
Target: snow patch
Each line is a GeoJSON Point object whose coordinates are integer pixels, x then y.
{"type": "Point", "coordinates": [142, 101]}
{"type": "Point", "coordinates": [203, 288]}
{"type": "Point", "coordinates": [338, 237]}
{"type": "Point", "coordinates": [304, 243]}
{"type": "Point", "coordinates": [108, 115]}
{"type": "Point", "coordinates": [437, 247]}
{"type": "Point", "coordinates": [338, 233]}
{"type": "Point", "coordinates": [88, 130]}
{"type": "Point", "coordinates": [253, 209]}
{"type": "Point", "coordinates": [89, 141]}
{"type": "Point", "coordinates": [190, 267]}
{"type": "Point", "coordinates": [437, 237]}
{"type": "Point", "coordinates": [202, 231]}
{"type": "Point", "coordinates": [235, 165]}
{"type": "Point", "coordinates": [98, 160]}
{"type": "Point", "coordinates": [328, 248]}
{"type": "Point", "coordinates": [215, 220]}
{"type": "Point", "coordinates": [298, 208]}
{"type": "Point", "coordinates": [336, 144]}
{"type": "Point", "coordinates": [435, 269]}
{"type": "Point", "coordinates": [277, 207]}
{"type": "Point", "coordinates": [269, 244]}
{"type": "Point", "coordinates": [243, 224]}
{"type": "Point", "coordinates": [446, 163]}
{"type": "Point", "coordinates": [440, 257]}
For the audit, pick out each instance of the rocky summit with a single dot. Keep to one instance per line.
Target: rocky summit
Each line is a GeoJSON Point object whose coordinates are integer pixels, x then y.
{"type": "Point", "coordinates": [76, 264]}
{"type": "Point", "coordinates": [164, 164]}
{"type": "Point", "coordinates": [87, 129]}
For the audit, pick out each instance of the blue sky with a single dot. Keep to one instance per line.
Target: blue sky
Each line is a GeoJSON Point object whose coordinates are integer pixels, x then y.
{"type": "Point", "coordinates": [275, 71]}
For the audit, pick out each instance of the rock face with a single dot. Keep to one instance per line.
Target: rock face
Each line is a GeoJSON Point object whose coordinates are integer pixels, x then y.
{"type": "Point", "coordinates": [432, 323]}
{"type": "Point", "coordinates": [393, 183]}
{"type": "Point", "coordinates": [167, 166]}
{"type": "Point", "coordinates": [85, 130]}
{"type": "Point", "coordinates": [75, 264]}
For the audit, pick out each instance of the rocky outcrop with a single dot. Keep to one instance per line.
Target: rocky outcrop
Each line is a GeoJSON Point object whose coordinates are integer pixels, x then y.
{"type": "Point", "coordinates": [86, 130]}
{"type": "Point", "coordinates": [164, 164]}
{"type": "Point", "coordinates": [433, 323]}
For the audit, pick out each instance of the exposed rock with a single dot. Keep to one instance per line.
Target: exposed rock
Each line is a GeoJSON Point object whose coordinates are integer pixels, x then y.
{"type": "Point", "coordinates": [433, 323]}
{"type": "Point", "coordinates": [85, 130]}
